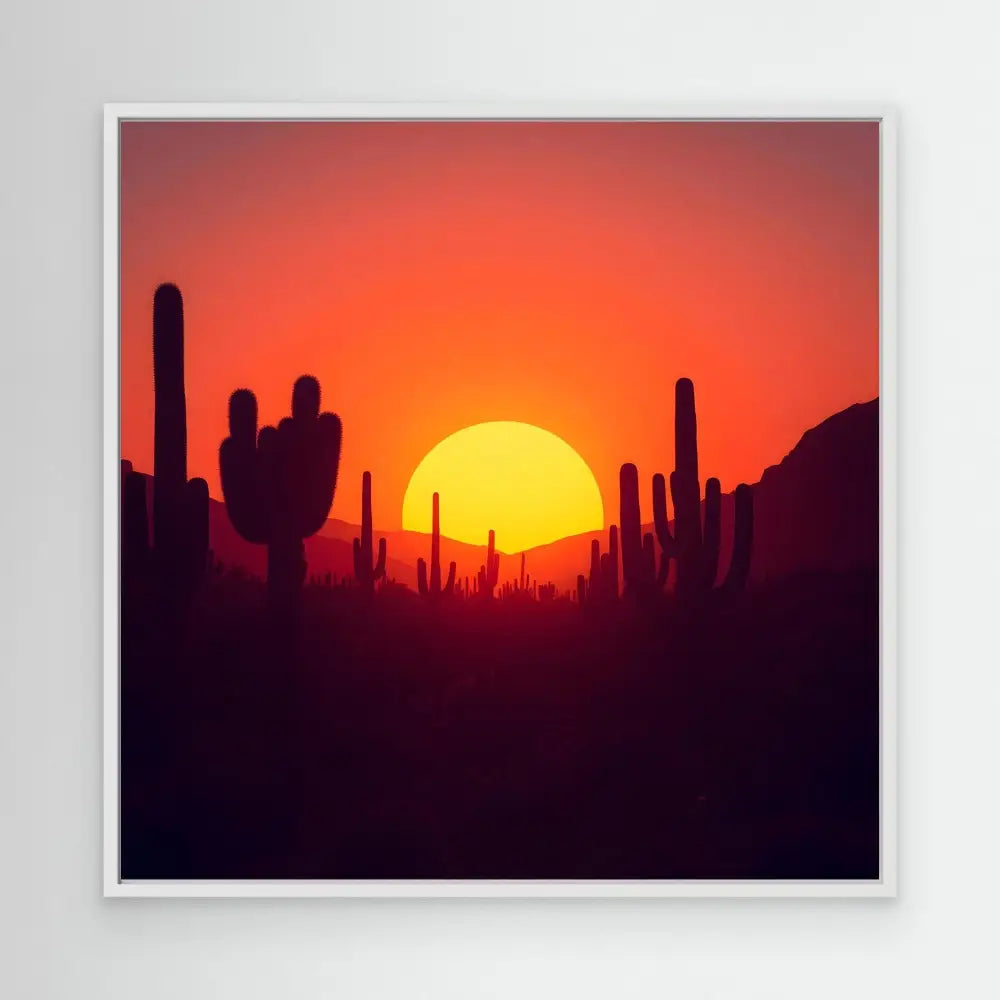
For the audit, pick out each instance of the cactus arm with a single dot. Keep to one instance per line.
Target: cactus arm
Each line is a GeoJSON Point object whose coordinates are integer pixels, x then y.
{"type": "Point", "coordinates": [379, 570]}
{"type": "Point", "coordinates": [240, 468]}
{"type": "Point", "coordinates": [648, 559]}
{"type": "Point", "coordinates": [660, 521]}
{"type": "Point", "coordinates": [324, 460]}
{"type": "Point", "coordinates": [712, 533]}
{"type": "Point", "coordinates": [422, 577]}
{"type": "Point", "coordinates": [449, 587]}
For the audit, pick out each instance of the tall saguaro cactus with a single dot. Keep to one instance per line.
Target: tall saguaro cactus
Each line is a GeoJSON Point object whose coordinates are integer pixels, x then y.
{"type": "Point", "coordinates": [364, 572]}
{"type": "Point", "coordinates": [279, 484]}
{"type": "Point", "coordinates": [177, 553]}
{"type": "Point", "coordinates": [696, 546]}
{"type": "Point", "coordinates": [434, 589]}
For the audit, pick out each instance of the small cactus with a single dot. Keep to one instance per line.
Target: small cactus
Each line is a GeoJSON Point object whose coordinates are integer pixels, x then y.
{"type": "Point", "coordinates": [490, 572]}
{"type": "Point", "coordinates": [602, 585]}
{"type": "Point", "coordinates": [364, 572]}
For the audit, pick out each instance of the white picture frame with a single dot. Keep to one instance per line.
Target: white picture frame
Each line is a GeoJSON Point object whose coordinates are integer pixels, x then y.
{"type": "Point", "coordinates": [884, 886]}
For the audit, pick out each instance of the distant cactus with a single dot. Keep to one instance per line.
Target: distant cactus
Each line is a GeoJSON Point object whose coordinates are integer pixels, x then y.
{"type": "Point", "coordinates": [279, 484]}
{"type": "Point", "coordinates": [611, 568]}
{"type": "Point", "coordinates": [490, 573]}
{"type": "Point", "coordinates": [177, 556]}
{"type": "Point", "coordinates": [602, 585]}
{"type": "Point", "coordinates": [434, 589]}
{"type": "Point", "coordinates": [364, 572]}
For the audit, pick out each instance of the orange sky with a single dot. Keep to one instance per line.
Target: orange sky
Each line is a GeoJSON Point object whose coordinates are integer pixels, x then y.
{"type": "Point", "coordinates": [434, 276]}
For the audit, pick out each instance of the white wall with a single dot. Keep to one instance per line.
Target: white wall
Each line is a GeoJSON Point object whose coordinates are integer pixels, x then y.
{"type": "Point", "coordinates": [59, 60]}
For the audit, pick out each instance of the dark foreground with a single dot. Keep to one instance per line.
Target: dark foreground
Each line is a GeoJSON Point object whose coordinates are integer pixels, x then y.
{"type": "Point", "coordinates": [518, 740]}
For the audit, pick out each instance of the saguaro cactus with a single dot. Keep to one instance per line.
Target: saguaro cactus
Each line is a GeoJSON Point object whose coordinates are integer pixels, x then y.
{"type": "Point", "coordinates": [638, 552]}
{"type": "Point", "coordinates": [693, 545]}
{"type": "Point", "coordinates": [177, 555]}
{"type": "Point", "coordinates": [364, 572]}
{"type": "Point", "coordinates": [279, 484]}
{"type": "Point", "coordinates": [434, 589]}
{"type": "Point", "coordinates": [490, 573]}
{"type": "Point", "coordinates": [602, 585]}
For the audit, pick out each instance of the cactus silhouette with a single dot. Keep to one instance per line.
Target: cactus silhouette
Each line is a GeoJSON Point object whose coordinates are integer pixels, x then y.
{"type": "Point", "coordinates": [638, 553]}
{"type": "Point", "coordinates": [602, 584]}
{"type": "Point", "coordinates": [279, 483]}
{"type": "Point", "coordinates": [364, 572]}
{"type": "Point", "coordinates": [176, 556]}
{"type": "Point", "coordinates": [490, 573]}
{"type": "Point", "coordinates": [696, 547]}
{"type": "Point", "coordinates": [434, 589]}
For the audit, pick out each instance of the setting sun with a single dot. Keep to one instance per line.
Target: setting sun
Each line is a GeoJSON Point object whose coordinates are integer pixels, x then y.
{"type": "Point", "coordinates": [523, 482]}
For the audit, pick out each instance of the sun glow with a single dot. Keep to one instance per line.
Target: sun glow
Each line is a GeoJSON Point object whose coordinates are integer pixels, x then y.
{"type": "Point", "coordinates": [525, 483]}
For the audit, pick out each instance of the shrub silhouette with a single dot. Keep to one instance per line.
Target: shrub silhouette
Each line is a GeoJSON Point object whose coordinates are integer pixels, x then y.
{"type": "Point", "coordinates": [434, 590]}
{"type": "Point", "coordinates": [279, 484]}
{"type": "Point", "coordinates": [176, 555]}
{"type": "Point", "coordinates": [364, 572]}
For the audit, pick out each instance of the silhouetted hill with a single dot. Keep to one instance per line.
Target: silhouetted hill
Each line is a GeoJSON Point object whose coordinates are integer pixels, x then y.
{"type": "Point", "coordinates": [816, 509]}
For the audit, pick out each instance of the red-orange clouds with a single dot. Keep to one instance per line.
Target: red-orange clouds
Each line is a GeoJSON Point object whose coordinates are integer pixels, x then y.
{"type": "Point", "coordinates": [434, 276]}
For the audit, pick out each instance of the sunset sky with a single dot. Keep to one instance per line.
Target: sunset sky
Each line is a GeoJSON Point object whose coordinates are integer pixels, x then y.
{"type": "Point", "coordinates": [438, 275]}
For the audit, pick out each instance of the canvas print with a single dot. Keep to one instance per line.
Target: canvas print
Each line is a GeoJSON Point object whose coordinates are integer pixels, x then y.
{"type": "Point", "coordinates": [499, 500]}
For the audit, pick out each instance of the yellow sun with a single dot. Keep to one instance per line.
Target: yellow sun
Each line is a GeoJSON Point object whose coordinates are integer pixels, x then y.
{"type": "Point", "coordinates": [525, 483]}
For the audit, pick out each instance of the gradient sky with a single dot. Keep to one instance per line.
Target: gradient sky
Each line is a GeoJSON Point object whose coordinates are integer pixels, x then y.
{"type": "Point", "coordinates": [437, 275]}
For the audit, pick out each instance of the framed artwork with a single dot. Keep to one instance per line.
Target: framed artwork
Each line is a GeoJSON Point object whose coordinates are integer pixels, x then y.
{"type": "Point", "coordinates": [499, 501]}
